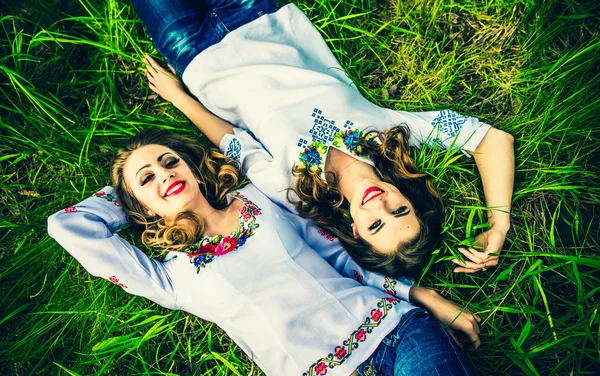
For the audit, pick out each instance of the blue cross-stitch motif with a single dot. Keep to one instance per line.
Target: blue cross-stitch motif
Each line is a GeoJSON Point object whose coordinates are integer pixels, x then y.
{"type": "Point", "coordinates": [234, 150]}
{"type": "Point", "coordinates": [322, 130]}
{"type": "Point", "coordinates": [449, 122]}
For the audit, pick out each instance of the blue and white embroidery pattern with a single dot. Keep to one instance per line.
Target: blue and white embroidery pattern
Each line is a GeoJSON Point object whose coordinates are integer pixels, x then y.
{"type": "Point", "coordinates": [234, 150]}
{"type": "Point", "coordinates": [449, 122]}
{"type": "Point", "coordinates": [323, 129]}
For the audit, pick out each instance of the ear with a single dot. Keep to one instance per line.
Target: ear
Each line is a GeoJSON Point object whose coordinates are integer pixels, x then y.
{"type": "Point", "coordinates": [354, 232]}
{"type": "Point", "coordinates": [148, 212]}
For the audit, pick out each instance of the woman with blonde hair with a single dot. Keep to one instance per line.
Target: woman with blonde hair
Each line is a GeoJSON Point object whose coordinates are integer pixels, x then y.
{"type": "Point", "coordinates": [239, 260]}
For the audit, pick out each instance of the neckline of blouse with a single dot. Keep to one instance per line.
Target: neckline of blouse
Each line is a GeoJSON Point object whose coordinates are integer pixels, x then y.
{"type": "Point", "coordinates": [314, 156]}
{"type": "Point", "coordinates": [206, 249]}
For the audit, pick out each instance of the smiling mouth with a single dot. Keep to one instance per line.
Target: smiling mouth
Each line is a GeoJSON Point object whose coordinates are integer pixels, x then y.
{"type": "Point", "coordinates": [371, 193]}
{"type": "Point", "coordinates": [175, 188]}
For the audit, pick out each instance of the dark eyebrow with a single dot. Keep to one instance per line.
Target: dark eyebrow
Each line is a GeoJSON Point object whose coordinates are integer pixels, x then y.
{"type": "Point", "coordinates": [383, 223]}
{"type": "Point", "coordinates": [159, 159]}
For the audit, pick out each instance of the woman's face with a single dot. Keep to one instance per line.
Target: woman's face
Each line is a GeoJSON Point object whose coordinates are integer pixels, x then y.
{"type": "Point", "coordinates": [382, 216]}
{"type": "Point", "coordinates": [161, 181]}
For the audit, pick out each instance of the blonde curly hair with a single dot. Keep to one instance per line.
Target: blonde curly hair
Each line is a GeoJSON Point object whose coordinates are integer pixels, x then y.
{"type": "Point", "coordinates": [218, 176]}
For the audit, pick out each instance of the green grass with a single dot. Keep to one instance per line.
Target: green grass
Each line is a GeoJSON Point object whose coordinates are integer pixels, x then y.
{"type": "Point", "coordinates": [72, 90]}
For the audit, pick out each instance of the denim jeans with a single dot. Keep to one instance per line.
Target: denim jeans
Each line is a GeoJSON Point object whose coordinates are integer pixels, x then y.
{"type": "Point", "coordinates": [419, 345]}
{"type": "Point", "coordinates": [181, 29]}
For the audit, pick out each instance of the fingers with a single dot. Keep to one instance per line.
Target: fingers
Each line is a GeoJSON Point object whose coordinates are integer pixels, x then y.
{"type": "Point", "coordinates": [469, 267]}
{"type": "Point", "coordinates": [172, 69]}
{"type": "Point", "coordinates": [456, 339]}
{"type": "Point", "coordinates": [470, 329]}
{"type": "Point", "coordinates": [473, 255]}
{"type": "Point", "coordinates": [150, 62]}
{"type": "Point", "coordinates": [151, 82]}
{"type": "Point", "coordinates": [474, 261]}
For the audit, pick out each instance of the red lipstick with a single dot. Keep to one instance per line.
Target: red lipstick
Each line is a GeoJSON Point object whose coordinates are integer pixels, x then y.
{"type": "Point", "coordinates": [172, 192]}
{"type": "Point", "coordinates": [369, 194]}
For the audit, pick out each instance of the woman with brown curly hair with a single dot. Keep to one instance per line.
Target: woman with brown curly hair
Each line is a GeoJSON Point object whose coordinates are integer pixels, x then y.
{"type": "Point", "coordinates": [296, 121]}
{"type": "Point", "coordinates": [235, 259]}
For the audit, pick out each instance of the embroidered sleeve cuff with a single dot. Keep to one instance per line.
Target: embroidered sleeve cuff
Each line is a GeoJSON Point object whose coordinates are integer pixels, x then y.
{"type": "Point", "coordinates": [403, 288]}
{"type": "Point", "coordinates": [474, 138]}
{"type": "Point", "coordinates": [245, 149]}
{"type": "Point", "coordinates": [103, 204]}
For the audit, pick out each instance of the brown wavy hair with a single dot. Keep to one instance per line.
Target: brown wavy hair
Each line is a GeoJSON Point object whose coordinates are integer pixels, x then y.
{"type": "Point", "coordinates": [325, 204]}
{"type": "Point", "coordinates": [218, 176]}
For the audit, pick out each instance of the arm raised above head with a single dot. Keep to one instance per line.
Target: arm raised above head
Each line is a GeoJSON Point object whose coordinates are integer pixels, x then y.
{"type": "Point", "coordinates": [169, 86]}
{"type": "Point", "coordinates": [86, 231]}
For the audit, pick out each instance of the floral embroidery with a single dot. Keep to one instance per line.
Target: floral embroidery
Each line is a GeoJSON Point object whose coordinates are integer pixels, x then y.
{"type": "Point", "coordinates": [321, 369]}
{"type": "Point", "coordinates": [449, 122]}
{"type": "Point", "coordinates": [326, 235]}
{"type": "Point", "coordinates": [234, 150]}
{"type": "Point", "coordinates": [389, 286]}
{"type": "Point", "coordinates": [115, 280]}
{"type": "Point", "coordinates": [71, 209]}
{"type": "Point", "coordinates": [344, 351]}
{"type": "Point", "coordinates": [108, 197]}
{"type": "Point", "coordinates": [357, 276]}
{"type": "Point", "coordinates": [340, 352]}
{"type": "Point", "coordinates": [311, 157]}
{"type": "Point", "coordinates": [323, 133]}
{"type": "Point", "coordinates": [206, 249]}
{"type": "Point", "coordinates": [349, 140]}
{"type": "Point", "coordinates": [376, 314]}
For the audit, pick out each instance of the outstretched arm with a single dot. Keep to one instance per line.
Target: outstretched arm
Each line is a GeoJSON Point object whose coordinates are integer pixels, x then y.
{"type": "Point", "coordinates": [169, 86]}
{"type": "Point", "coordinates": [462, 325]}
{"type": "Point", "coordinates": [496, 163]}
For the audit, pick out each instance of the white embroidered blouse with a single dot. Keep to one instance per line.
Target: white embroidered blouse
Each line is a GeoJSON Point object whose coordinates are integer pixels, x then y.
{"type": "Point", "coordinates": [276, 79]}
{"type": "Point", "coordinates": [278, 286]}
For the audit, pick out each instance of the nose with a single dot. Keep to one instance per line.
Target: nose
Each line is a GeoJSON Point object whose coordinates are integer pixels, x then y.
{"type": "Point", "coordinates": [167, 174]}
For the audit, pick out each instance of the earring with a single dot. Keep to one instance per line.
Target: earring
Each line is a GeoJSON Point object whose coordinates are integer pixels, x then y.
{"type": "Point", "coordinates": [150, 213]}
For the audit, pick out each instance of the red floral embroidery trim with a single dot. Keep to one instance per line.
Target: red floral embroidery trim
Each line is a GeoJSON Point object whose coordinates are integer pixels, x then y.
{"type": "Point", "coordinates": [115, 280]}
{"type": "Point", "coordinates": [326, 235]}
{"type": "Point", "coordinates": [108, 197]}
{"type": "Point", "coordinates": [390, 286]}
{"type": "Point", "coordinates": [71, 209]}
{"type": "Point", "coordinates": [344, 351]}
{"type": "Point", "coordinates": [206, 249]}
{"type": "Point", "coordinates": [357, 276]}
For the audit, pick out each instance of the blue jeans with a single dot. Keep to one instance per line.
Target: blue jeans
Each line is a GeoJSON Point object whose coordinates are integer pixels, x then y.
{"type": "Point", "coordinates": [419, 345]}
{"type": "Point", "coordinates": [181, 29]}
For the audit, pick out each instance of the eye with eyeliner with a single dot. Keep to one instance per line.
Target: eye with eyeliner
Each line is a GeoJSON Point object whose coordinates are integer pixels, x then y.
{"type": "Point", "coordinates": [374, 225]}
{"type": "Point", "coordinates": [401, 210]}
{"type": "Point", "coordinates": [168, 164]}
{"type": "Point", "coordinates": [172, 162]}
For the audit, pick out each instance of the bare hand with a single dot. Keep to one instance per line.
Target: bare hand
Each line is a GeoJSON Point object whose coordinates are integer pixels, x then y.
{"type": "Point", "coordinates": [166, 84]}
{"type": "Point", "coordinates": [490, 243]}
{"type": "Point", "coordinates": [461, 324]}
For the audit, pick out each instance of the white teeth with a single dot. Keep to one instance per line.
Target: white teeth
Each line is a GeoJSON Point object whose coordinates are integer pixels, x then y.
{"type": "Point", "coordinates": [174, 189]}
{"type": "Point", "coordinates": [370, 195]}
